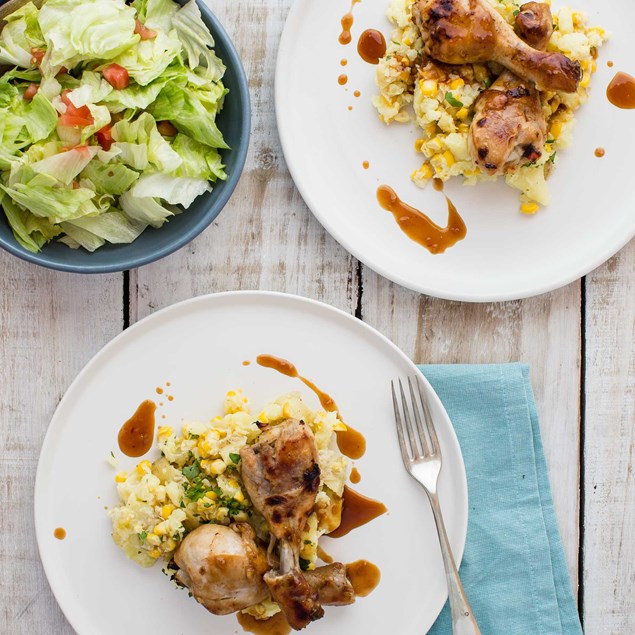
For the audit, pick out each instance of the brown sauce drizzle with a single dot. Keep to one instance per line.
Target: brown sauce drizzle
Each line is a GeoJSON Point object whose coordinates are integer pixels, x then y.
{"type": "Point", "coordinates": [350, 107]}
{"type": "Point", "coordinates": [343, 62]}
{"type": "Point", "coordinates": [364, 576]}
{"type": "Point", "coordinates": [365, 165]}
{"type": "Point", "coordinates": [357, 510]}
{"type": "Point", "coordinates": [136, 435]}
{"type": "Point", "coordinates": [621, 91]}
{"type": "Point", "coordinates": [350, 442]}
{"type": "Point", "coordinates": [609, 64]}
{"type": "Point", "coordinates": [347, 22]}
{"type": "Point", "coordinates": [355, 477]}
{"type": "Point", "coordinates": [159, 390]}
{"type": "Point", "coordinates": [246, 362]}
{"type": "Point", "coordinates": [276, 625]}
{"type": "Point", "coordinates": [418, 227]}
{"type": "Point", "coordinates": [371, 46]}
{"type": "Point", "coordinates": [60, 533]}
{"type": "Point", "coordinates": [323, 556]}
{"type": "Point", "coordinates": [356, 93]}
{"type": "Point", "coordinates": [600, 152]}
{"type": "Point", "coordinates": [342, 79]}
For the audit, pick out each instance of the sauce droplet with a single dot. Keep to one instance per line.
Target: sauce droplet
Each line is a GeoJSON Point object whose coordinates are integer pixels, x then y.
{"type": "Point", "coordinates": [418, 227]}
{"type": "Point", "coordinates": [365, 165]}
{"type": "Point", "coordinates": [342, 79]}
{"type": "Point", "coordinates": [350, 442]}
{"type": "Point", "coordinates": [323, 556]}
{"type": "Point", "coordinates": [437, 184]}
{"type": "Point", "coordinates": [371, 46]}
{"type": "Point", "coordinates": [136, 435]}
{"type": "Point", "coordinates": [246, 362]}
{"type": "Point", "coordinates": [159, 391]}
{"type": "Point", "coordinates": [276, 625]}
{"type": "Point", "coordinates": [357, 510]}
{"type": "Point", "coordinates": [600, 152]}
{"type": "Point", "coordinates": [170, 398]}
{"type": "Point", "coordinates": [168, 384]}
{"type": "Point", "coordinates": [343, 62]}
{"type": "Point", "coordinates": [609, 64]}
{"type": "Point", "coordinates": [356, 477]}
{"type": "Point", "coordinates": [621, 91]}
{"type": "Point", "coordinates": [364, 577]}
{"type": "Point", "coordinates": [347, 22]}
{"type": "Point", "coordinates": [60, 533]}
{"type": "Point", "coordinates": [350, 108]}
{"type": "Point", "coordinates": [357, 93]}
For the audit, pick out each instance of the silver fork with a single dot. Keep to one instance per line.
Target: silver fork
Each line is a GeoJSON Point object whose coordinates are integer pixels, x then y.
{"type": "Point", "coordinates": [422, 459]}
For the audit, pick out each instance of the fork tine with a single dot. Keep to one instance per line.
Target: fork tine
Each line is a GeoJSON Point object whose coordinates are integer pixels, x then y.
{"type": "Point", "coordinates": [409, 428]}
{"type": "Point", "coordinates": [415, 407]}
{"type": "Point", "coordinates": [402, 442]}
{"type": "Point", "coordinates": [434, 441]}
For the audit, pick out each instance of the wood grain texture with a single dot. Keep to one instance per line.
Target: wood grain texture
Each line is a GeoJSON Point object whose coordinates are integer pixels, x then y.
{"type": "Point", "coordinates": [543, 332]}
{"type": "Point", "coordinates": [51, 324]}
{"type": "Point", "coordinates": [265, 238]}
{"type": "Point", "coordinates": [609, 457]}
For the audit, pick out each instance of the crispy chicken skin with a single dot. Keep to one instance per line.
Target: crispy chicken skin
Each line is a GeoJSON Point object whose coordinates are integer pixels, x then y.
{"type": "Point", "coordinates": [509, 127]}
{"type": "Point", "coordinates": [223, 567]}
{"type": "Point", "coordinates": [281, 475]}
{"type": "Point", "coordinates": [332, 585]}
{"type": "Point", "coordinates": [472, 31]}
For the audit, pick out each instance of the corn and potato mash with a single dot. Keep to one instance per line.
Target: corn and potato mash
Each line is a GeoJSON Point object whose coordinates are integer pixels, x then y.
{"type": "Point", "coordinates": [444, 107]}
{"type": "Point", "coordinates": [197, 480]}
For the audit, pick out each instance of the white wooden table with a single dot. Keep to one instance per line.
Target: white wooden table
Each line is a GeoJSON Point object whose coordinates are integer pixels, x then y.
{"type": "Point", "coordinates": [578, 340]}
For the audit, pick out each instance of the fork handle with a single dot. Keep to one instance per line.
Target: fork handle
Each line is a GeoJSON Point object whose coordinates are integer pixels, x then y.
{"type": "Point", "coordinates": [463, 622]}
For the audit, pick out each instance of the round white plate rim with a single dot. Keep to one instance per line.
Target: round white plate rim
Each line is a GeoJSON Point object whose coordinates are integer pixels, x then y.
{"type": "Point", "coordinates": [39, 489]}
{"type": "Point", "coordinates": [289, 151]}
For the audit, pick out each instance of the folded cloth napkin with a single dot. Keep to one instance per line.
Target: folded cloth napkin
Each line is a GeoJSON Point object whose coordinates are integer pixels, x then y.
{"type": "Point", "coordinates": [514, 569]}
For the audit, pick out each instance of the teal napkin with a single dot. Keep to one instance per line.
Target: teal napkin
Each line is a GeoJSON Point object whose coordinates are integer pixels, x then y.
{"type": "Point", "coordinates": [514, 569]}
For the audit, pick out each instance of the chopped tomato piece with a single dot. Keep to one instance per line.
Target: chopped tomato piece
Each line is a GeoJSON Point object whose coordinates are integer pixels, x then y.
{"type": "Point", "coordinates": [143, 31]}
{"type": "Point", "coordinates": [117, 76]}
{"type": "Point", "coordinates": [36, 56]}
{"type": "Point", "coordinates": [75, 116]}
{"type": "Point", "coordinates": [63, 70]}
{"type": "Point", "coordinates": [75, 185]}
{"type": "Point", "coordinates": [166, 129]}
{"type": "Point", "coordinates": [29, 93]}
{"type": "Point", "coordinates": [104, 137]}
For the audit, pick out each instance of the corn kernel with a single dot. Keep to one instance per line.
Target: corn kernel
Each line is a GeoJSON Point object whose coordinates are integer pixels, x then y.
{"type": "Point", "coordinates": [594, 66]}
{"type": "Point", "coordinates": [584, 64]}
{"type": "Point", "coordinates": [457, 83]}
{"type": "Point", "coordinates": [286, 410]}
{"type": "Point", "coordinates": [204, 446]}
{"type": "Point", "coordinates": [121, 477]}
{"type": "Point", "coordinates": [577, 19]}
{"type": "Point", "coordinates": [219, 433]}
{"type": "Point", "coordinates": [463, 127]}
{"type": "Point", "coordinates": [211, 495]}
{"type": "Point", "coordinates": [218, 466]}
{"type": "Point", "coordinates": [164, 431]}
{"type": "Point", "coordinates": [169, 544]}
{"type": "Point", "coordinates": [166, 510]}
{"type": "Point", "coordinates": [217, 418]}
{"type": "Point", "coordinates": [529, 208]}
{"type": "Point", "coordinates": [449, 158]}
{"type": "Point", "coordinates": [426, 171]}
{"type": "Point", "coordinates": [462, 114]}
{"type": "Point", "coordinates": [586, 80]}
{"type": "Point", "coordinates": [431, 129]}
{"type": "Point", "coordinates": [239, 496]}
{"type": "Point", "coordinates": [263, 418]}
{"type": "Point", "coordinates": [418, 144]}
{"type": "Point", "coordinates": [160, 530]}
{"type": "Point", "coordinates": [232, 483]}
{"type": "Point", "coordinates": [429, 87]}
{"type": "Point", "coordinates": [556, 129]}
{"type": "Point", "coordinates": [155, 553]}
{"type": "Point", "coordinates": [231, 393]}
{"type": "Point", "coordinates": [435, 145]}
{"type": "Point", "coordinates": [144, 467]}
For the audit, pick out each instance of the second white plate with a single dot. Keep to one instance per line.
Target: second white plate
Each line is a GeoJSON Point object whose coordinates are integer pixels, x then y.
{"type": "Point", "coordinates": [505, 255]}
{"type": "Point", "coordinates": [199, 346]}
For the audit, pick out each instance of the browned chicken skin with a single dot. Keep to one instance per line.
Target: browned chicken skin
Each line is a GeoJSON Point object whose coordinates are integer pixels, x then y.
{"type": "Point", "coordinates": [509, 127]}
{"type": "Point", "coordinates": [472, 31]}
{"type": "Point", "coordinates": [281, 475]}
{"type": "Point", "coordinates": [332, 585]}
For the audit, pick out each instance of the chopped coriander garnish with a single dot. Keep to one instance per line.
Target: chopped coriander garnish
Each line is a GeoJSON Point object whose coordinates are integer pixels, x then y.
{"type": "Point", "coordinates": [487, 82]}
{"type": "Point", "coordinates": [191, 436]}
{"type": "Point", "coordinates": [112, 454]}
{"type": "Point", "coordinates": [195, 492]}
{"type": "Point", "coordinates": [552, 158]}
{"type": "Point", "coordinates": [304, 564]}
{"type": "Point", "coordinates": [550, 141]}
{"type": "Point", "coordinates": [307, 542]}
{"type": "Point", "coordinates": [516, 12]}
{"type": "Point", "coordinates": [396, 43]}
{"type": "Point", "coordinates": [142, 535]}
{"type": "Point", "coordinates": [453, 101]}
{"type": "Point", "coordinates": [234, 457]}
{"type": "Point", "coordinates": [192, 471]}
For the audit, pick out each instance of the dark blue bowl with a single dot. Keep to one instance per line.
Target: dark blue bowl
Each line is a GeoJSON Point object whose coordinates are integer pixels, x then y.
{"type": "Point", "coordinates": [153, 244]}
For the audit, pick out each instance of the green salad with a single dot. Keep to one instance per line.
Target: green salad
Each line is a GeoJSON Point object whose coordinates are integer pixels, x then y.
{"type": "Point", "coordinates": [107, 118]}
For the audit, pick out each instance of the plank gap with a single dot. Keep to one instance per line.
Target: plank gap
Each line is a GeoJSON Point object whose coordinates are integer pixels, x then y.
{"type": "Point", "coordinates": [359, 272]}
{"type": "Point", "coordinates": [126, 300]}
{"type": "Point", "coordinates": [582, 503]}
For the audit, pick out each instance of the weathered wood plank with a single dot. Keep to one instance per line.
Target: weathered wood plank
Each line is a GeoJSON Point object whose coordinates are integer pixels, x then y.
{"type": "Point", "coordinates": [543, 332]}
{"type": "Point", "coordinates": [609, 547]}
{"type": "Point", "coordinates": [265, 238]}
{"type": "Point", "coordinates": [51, 324]}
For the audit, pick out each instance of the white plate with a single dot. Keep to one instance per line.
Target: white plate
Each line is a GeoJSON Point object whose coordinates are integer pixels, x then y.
{"type": "Point", "coordinates": [505, 255]}
{"type": "Point", "coordinates": [199, 346]}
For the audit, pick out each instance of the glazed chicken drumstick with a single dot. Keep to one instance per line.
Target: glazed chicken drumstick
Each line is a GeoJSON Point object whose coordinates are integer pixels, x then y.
{"type": "Point", "coordinates": [282, 475]}
{"type": "Point", "coordinates": [509, 126]}
{"type": "Point", "coordinates": [472, 31]}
